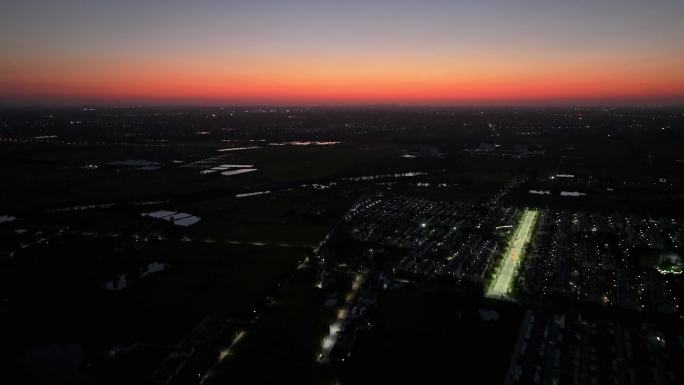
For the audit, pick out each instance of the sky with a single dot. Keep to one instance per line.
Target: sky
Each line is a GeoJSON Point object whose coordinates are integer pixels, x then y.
{"type": "Point", "coordinates": [351, 52]}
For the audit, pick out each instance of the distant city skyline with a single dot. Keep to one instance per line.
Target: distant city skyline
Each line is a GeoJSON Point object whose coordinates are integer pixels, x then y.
{"type": "Point", "coordinates": [307, 52]}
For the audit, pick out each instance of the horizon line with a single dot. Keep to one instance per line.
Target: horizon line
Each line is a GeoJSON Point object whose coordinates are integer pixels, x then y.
{"type": "Point", "coordinates": [673, 104]}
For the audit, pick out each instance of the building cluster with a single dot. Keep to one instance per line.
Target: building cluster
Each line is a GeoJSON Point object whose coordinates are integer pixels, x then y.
{"type": "Point", "coordinates": [604, 259]}
{"type": "Point", "coordinates": [578, 349]}
{"type": "Point", "coordinates": [454, 240]}
{"type": "Point", "coordinates": [618, 260]}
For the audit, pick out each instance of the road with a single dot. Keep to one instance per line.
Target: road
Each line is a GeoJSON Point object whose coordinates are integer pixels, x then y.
{"type": "Point", "coordinates": [223, 354]}
{"type": "Point", "coordinates": [342, 314]}
{"type": "Point", "coordinates": [505, 275]}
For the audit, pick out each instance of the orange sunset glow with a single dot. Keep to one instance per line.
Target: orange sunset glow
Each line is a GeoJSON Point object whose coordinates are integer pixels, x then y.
{"type": "Point", "coordinates": [413, 61]}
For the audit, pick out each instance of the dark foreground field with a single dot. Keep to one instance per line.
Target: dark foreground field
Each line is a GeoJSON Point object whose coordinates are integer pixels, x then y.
{"type": "Point", "coordinates": [93, 292]}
